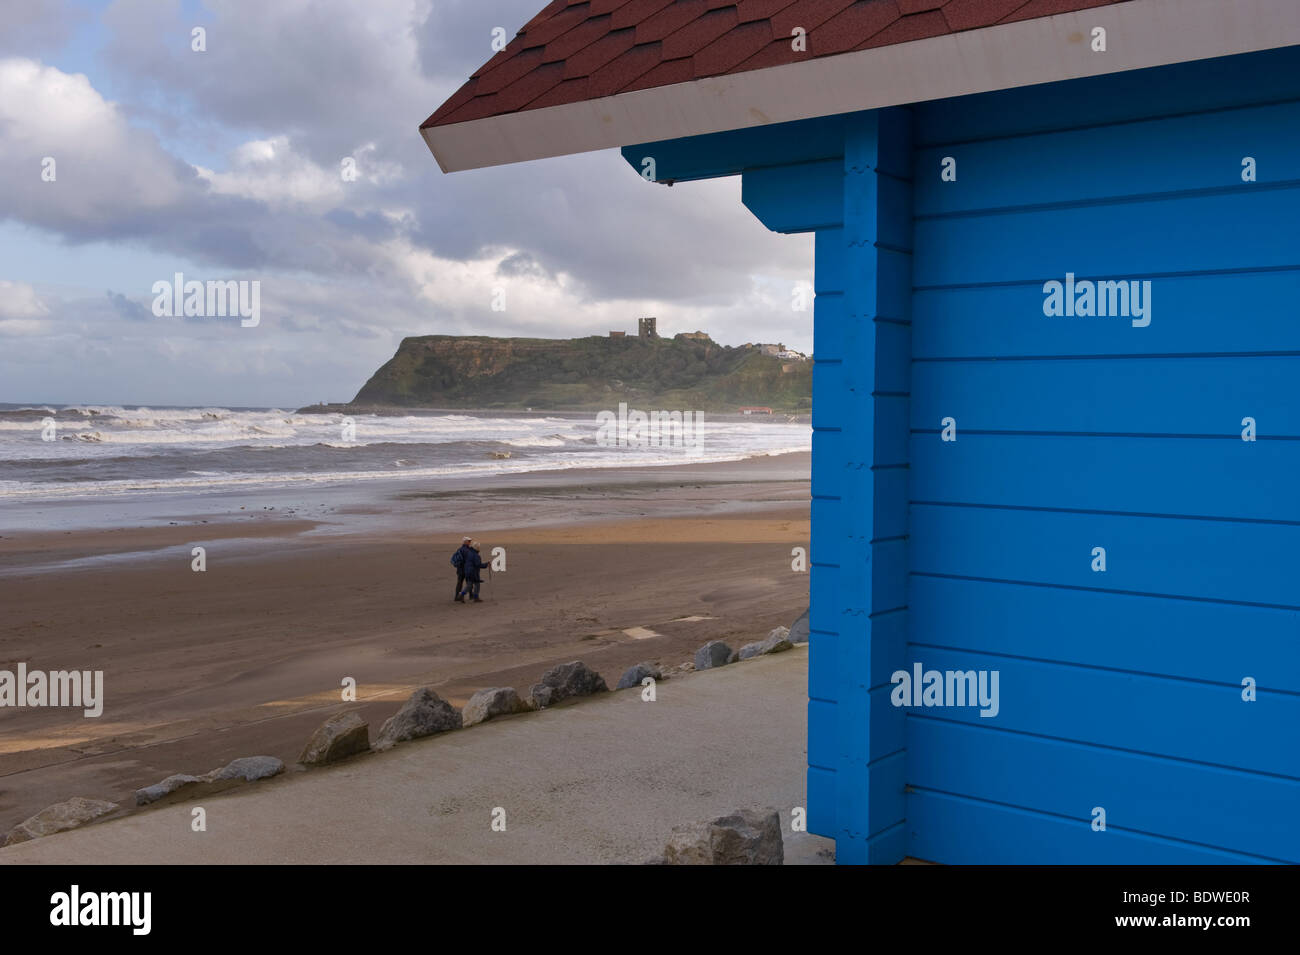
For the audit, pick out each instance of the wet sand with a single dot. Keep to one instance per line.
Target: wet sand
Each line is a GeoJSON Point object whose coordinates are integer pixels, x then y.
{"type": "Point", "coordinates": [248, 657]}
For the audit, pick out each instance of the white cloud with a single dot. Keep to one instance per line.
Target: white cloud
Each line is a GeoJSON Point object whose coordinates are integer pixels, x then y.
{"type": "Point", "coordinates": [271, 171]}
{"type": "Point", "coordinates": [22, 328]}
{"type": "Point", "coordinates": [268, 170]}
{"type": "Point", "coordinates": [18, 300]}
{"type": "Point", "coordinates": [105, 172]}
{"type": "Point", "coordinates": [459, 294]}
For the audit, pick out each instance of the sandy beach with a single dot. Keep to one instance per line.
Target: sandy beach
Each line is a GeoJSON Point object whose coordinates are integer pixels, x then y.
{"type": "Point", "coordinates": [305, 588]}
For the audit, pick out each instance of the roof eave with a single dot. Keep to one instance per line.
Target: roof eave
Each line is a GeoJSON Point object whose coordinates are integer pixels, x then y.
{"type": "Point", "coordinates": [1139, 34]}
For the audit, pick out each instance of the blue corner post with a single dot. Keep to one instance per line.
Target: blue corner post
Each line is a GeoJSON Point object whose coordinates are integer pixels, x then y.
{"type": "Point", "coordinates": [859, 206]}
{"type": "Point", "coordinates": [862, 344]}
{"type": "Point", "coordinates": [848, 180]}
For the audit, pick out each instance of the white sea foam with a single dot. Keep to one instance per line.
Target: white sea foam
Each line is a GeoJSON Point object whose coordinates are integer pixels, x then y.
{"type": "Point", "coordinates": [193, 449]}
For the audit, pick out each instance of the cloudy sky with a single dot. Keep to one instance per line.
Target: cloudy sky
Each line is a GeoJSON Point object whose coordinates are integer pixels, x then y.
{"type": "Point", "coordinates": [227, 164]}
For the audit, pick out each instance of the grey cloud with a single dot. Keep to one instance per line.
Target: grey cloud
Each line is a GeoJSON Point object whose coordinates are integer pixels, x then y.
{"type": "Point", "coordinates": [330, 74]}
{"type": "Point", "coordinates": [126, 308]}
{"type": "Point", "coordinates": [35, 27]}
{"type": "Point", "coordinates": [368, 225]}
{"type": "Point", "coordinates": [456, 38]}
{"type": "Point", "coordinates": [521, 264]}
{"type": "Point", "coordinates": [590, 216]}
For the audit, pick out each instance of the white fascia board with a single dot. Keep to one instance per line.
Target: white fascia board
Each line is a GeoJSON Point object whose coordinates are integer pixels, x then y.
{"type": "Point", "coordinates": [1139, 34]}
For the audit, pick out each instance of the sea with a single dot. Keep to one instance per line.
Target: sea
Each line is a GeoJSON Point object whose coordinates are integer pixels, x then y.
{"type": "Point", "coordinates": [92, 452]}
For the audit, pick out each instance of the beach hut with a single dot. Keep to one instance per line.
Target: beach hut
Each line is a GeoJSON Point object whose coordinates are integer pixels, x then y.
{"type": "Point", "coordinates": [1056, 535]}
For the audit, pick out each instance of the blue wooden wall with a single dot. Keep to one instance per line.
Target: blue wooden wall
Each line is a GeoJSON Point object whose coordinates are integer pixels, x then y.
{"type": "Point", "coordinates": [1119, 689]}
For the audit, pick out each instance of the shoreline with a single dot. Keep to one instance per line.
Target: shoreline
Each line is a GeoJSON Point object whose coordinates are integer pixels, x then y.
{"type": "Point", "coordinates": [336, 502]}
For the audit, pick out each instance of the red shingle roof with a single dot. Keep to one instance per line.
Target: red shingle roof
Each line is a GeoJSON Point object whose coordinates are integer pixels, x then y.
{"type": "Point", "coordinates": [576, 50]}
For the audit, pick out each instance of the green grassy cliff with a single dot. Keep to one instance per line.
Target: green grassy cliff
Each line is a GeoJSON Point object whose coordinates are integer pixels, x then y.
{"type": "Point", "coordinates": [449, 371]}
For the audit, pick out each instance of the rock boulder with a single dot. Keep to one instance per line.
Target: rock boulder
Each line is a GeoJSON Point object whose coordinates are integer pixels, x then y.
{"type": "Point", "coordinates": [340, 736]}
{"type": "Point", "coordinates": [565, 681]}
{"type": "Point", "coordinates": [633, 676]}
{"type": "Point", "coordinates": [247, 769]}
{"type": "Point", "coordinates": [423, 714]}
{"type": "Point", "coordinates": [165, 788]}
{"type": "Point", "coordinates": [61, 816]}
{"type": "Point", "coordinates": [748, 837]}
{"type": "Point", "coordinates": [799, 629]}
{"type": "Point", "coordinates": [497, 701]}
{"type": "Point", "coordinates": [715, 653]}
{"type": "Point", "coordinates": [777, 640]}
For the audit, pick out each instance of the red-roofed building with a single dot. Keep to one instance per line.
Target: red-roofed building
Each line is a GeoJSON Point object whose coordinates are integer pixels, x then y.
{"type": "Point", "coordinates": [1055, 425]}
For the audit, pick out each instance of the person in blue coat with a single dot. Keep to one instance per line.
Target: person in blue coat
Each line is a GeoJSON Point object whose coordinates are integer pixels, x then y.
{"type": "Point", "coordinates": [473, 565]}
{"type": "Point", "coordinates": [458, 561]}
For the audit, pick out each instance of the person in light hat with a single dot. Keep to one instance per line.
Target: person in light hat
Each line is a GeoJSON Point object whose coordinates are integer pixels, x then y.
{"type": "Point", "coordinates": [458, 561]}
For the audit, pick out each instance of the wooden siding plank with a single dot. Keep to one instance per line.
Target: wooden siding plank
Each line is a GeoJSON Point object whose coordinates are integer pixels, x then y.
{"type": "Point", "coordinates": [1248, 312]}
{"type": "Point", "coordinates": [1115, 631]}
{"type": "Point", "coordinates": [1187, 477]}
{"type": "Point", "coordinates": [1203, 723]}
{"type": "Point", "coordinates": [957, 831]}
{"type": "Point", "coordinates": [1146, 396]}
{"type": "Point", "coordinates": [1177, 154]}
{"type": "Point", "coordinates": [1168, 798]}
{"type": "Point", "coordinates": [1140, 239]}
{"type": "Point", "coordinates": [1222, 83]}
{"type": "Point", "coordinates": [1214, 560]}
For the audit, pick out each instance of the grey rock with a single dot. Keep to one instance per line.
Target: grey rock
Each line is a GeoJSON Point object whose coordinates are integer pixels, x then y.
{"type": "Point", "coordinates": [165, 788]}
{"type": "Point", "coordinates": [715, 653]}
{"type": "Point", "coordinates": [541, 695]}
{"type": "Point", "coordinates": [633, 676]}
{"type": "Point", "coordinates": [423, 714]}
{"type": "Point", "coordinates": [799, 629]}
{"type": "Point", "coordinates": [61, 816]}
{"type": "Point", "coordinates": [747, 837]}
{"type": "Point", "coordinates": [565, 681]}
{"type": "Point", "coordinates": [340, 736]}
{"type": "Point", "coordinates": [776, 641]}
{"type": "Point", "coordinates": [497, 701]}
{"type": "Point", "coordinates": [247, 768]}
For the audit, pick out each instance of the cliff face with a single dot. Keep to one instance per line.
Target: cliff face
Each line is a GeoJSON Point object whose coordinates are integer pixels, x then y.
{"type": "Point", "coordinates": [448, 371]}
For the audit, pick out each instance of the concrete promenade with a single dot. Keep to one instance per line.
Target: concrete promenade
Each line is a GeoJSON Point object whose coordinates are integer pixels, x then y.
{"type": "Point", "coordinates": [600, 781]}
